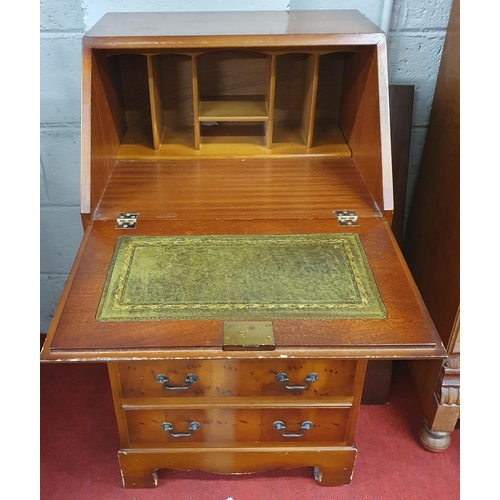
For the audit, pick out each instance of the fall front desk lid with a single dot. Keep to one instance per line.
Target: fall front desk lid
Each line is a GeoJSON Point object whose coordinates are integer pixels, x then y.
{"type": "Point", "coordinates": [256, 277]}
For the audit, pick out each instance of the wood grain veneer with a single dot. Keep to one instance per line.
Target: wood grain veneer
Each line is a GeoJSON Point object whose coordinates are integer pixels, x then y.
{"type": "Point", "coordinates": [236, 189]}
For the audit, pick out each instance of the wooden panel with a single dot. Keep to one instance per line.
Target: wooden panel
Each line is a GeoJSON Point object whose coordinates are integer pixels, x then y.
{"type": "Point", "coordinates": [378, 383]}
{"type": "Point", "coordinates": [196, 103]}
{"type": "Point", "coordinates": [364, 120]}
{"type": "Point", "coordinates": [270, 99]}
{"type": "Point", "coordinates": [114, 379]}
{"type": "Point", "coordinates": [331, 70]}
{"type": "Point", "coordinates": [288, 25]}
{"type": "Point", "coordinates": [334, 465]}
{"type": "Point", "coordinates": [154, 75]}
{"type": "Point", "coordinates": [145, 426]}
{"type": "Point", "coordinates": [134, 84]}
{"type": "Point", "coordinates": [236, 189]}
{"type": "Point", "coordinates": [238, 425]}
{"type": "Point", "coordinates": [384, 120]}
{"type": "Point", "coordinates": [233, 73]}
{"type": "Point", "coordinates": [237, 378]}
{"type": "Point", "coordinates": [258, 378]}
{"type": "Point", "coordinates": [85, 154]}
{"type": "Point", "coordinates": [290, 87]}
{"type": "Point", "coordinates": [138, 379]}
{"type": "Point", "coordinates": [177, 91]}
{"type": "Point", "coordinates": [309, 106]}
{"type": "Point", "coordinates": [107, 124]}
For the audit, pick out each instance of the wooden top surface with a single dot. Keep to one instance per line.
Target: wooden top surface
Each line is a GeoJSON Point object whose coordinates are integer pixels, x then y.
{"type": "Point", "coordinates": [76, 335]}
{"type": "Point", "coordinates": [298, 22]}
{"type": "Point", "coordinates": [256, 27]}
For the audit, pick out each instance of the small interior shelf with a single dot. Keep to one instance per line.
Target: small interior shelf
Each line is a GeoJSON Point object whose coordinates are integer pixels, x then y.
{"type": "Point", "coordinates": [251, 109]}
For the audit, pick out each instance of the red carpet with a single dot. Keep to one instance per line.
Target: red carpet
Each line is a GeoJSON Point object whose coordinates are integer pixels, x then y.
{"type": "Point", "coordinates": [79, 443]}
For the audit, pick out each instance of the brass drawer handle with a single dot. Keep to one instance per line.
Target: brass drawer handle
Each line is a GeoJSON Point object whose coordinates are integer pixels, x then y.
{"type": "Point", "coordinates": [283, 377]}
{"type": "Point", "coordinates": [191, 378]}
{"type": "Point", "coordinates": [304, 426]}
{"type": "Point", "coordinates": [168, 427]}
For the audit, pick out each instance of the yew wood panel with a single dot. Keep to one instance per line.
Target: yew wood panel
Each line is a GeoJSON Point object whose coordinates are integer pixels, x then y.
{"type": "Point", "coordinates": [238, 425]}
{"type": "Point", "coordinates": [236, 189]}
{"type": "Point", "coordinates": [406, 332]}
{"type": "Point", "coordinates": [238, 378]}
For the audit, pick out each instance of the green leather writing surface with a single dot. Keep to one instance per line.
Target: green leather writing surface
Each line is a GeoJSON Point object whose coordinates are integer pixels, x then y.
{"type": "Point", "coordinates": [256, 277]}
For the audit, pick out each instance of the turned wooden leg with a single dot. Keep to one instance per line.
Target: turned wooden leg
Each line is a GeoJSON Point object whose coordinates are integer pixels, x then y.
{"type": "Point", "coordinates": [435, 441]}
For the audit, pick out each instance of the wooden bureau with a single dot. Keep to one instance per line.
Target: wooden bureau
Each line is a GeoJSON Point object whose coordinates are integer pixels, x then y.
{"type": "Point", "coordinates": [238, 268]}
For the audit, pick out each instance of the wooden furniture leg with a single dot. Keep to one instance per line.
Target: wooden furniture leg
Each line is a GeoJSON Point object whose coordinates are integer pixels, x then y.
{"type": "Point", "coordinates": [442, 408]}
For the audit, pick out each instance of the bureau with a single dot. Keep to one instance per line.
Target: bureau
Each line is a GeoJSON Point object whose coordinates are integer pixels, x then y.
{"type": "Point", "coordinates": [238, 268]}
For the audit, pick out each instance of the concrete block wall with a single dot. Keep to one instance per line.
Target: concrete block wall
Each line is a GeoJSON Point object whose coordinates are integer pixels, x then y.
{"type": "Point", "coordinates": [415, 40]}
{"type": "Point", "coordinates": [61, 30]}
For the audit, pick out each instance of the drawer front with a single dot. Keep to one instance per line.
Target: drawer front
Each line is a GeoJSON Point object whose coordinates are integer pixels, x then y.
{"type": "Point", "coordinates": [306, 378]}
{"type": "Point", "coordinates": [237, 425]}
{"type": "Point", "coordinates": [176, 378]}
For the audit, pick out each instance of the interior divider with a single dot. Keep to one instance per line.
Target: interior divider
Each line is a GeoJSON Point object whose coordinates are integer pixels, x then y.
{"type": "Point", "coordinates": [310, 95]}
{"type": "Point", "coordinates": [196, 103]}
{"type": "Point", "coordinates": [155, 99]}
{"type": "Point", "coordinates": [270, 101]}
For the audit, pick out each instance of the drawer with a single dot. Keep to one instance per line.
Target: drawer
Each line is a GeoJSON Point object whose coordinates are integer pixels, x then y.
{"type": "Point", "coordinates": [176, 378]}
{"type": "Point", "coordinates": [237, 425]}
{"type": "Point", "coordinates": [306, 378]}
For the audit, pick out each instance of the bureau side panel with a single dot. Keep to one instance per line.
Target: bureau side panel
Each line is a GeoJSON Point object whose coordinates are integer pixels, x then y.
{"type": "Point", "coordinates": [114, 378]}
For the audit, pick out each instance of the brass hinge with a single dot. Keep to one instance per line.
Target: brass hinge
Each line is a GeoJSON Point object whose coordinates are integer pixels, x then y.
{"type": "Point", "coordinates": [126, 220]}
{"type": "Point", "coordinates": [347, 217]}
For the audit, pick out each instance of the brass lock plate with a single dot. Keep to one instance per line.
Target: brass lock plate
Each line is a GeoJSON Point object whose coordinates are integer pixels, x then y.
{"type": "Point", "coordinates": [248, 335]}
